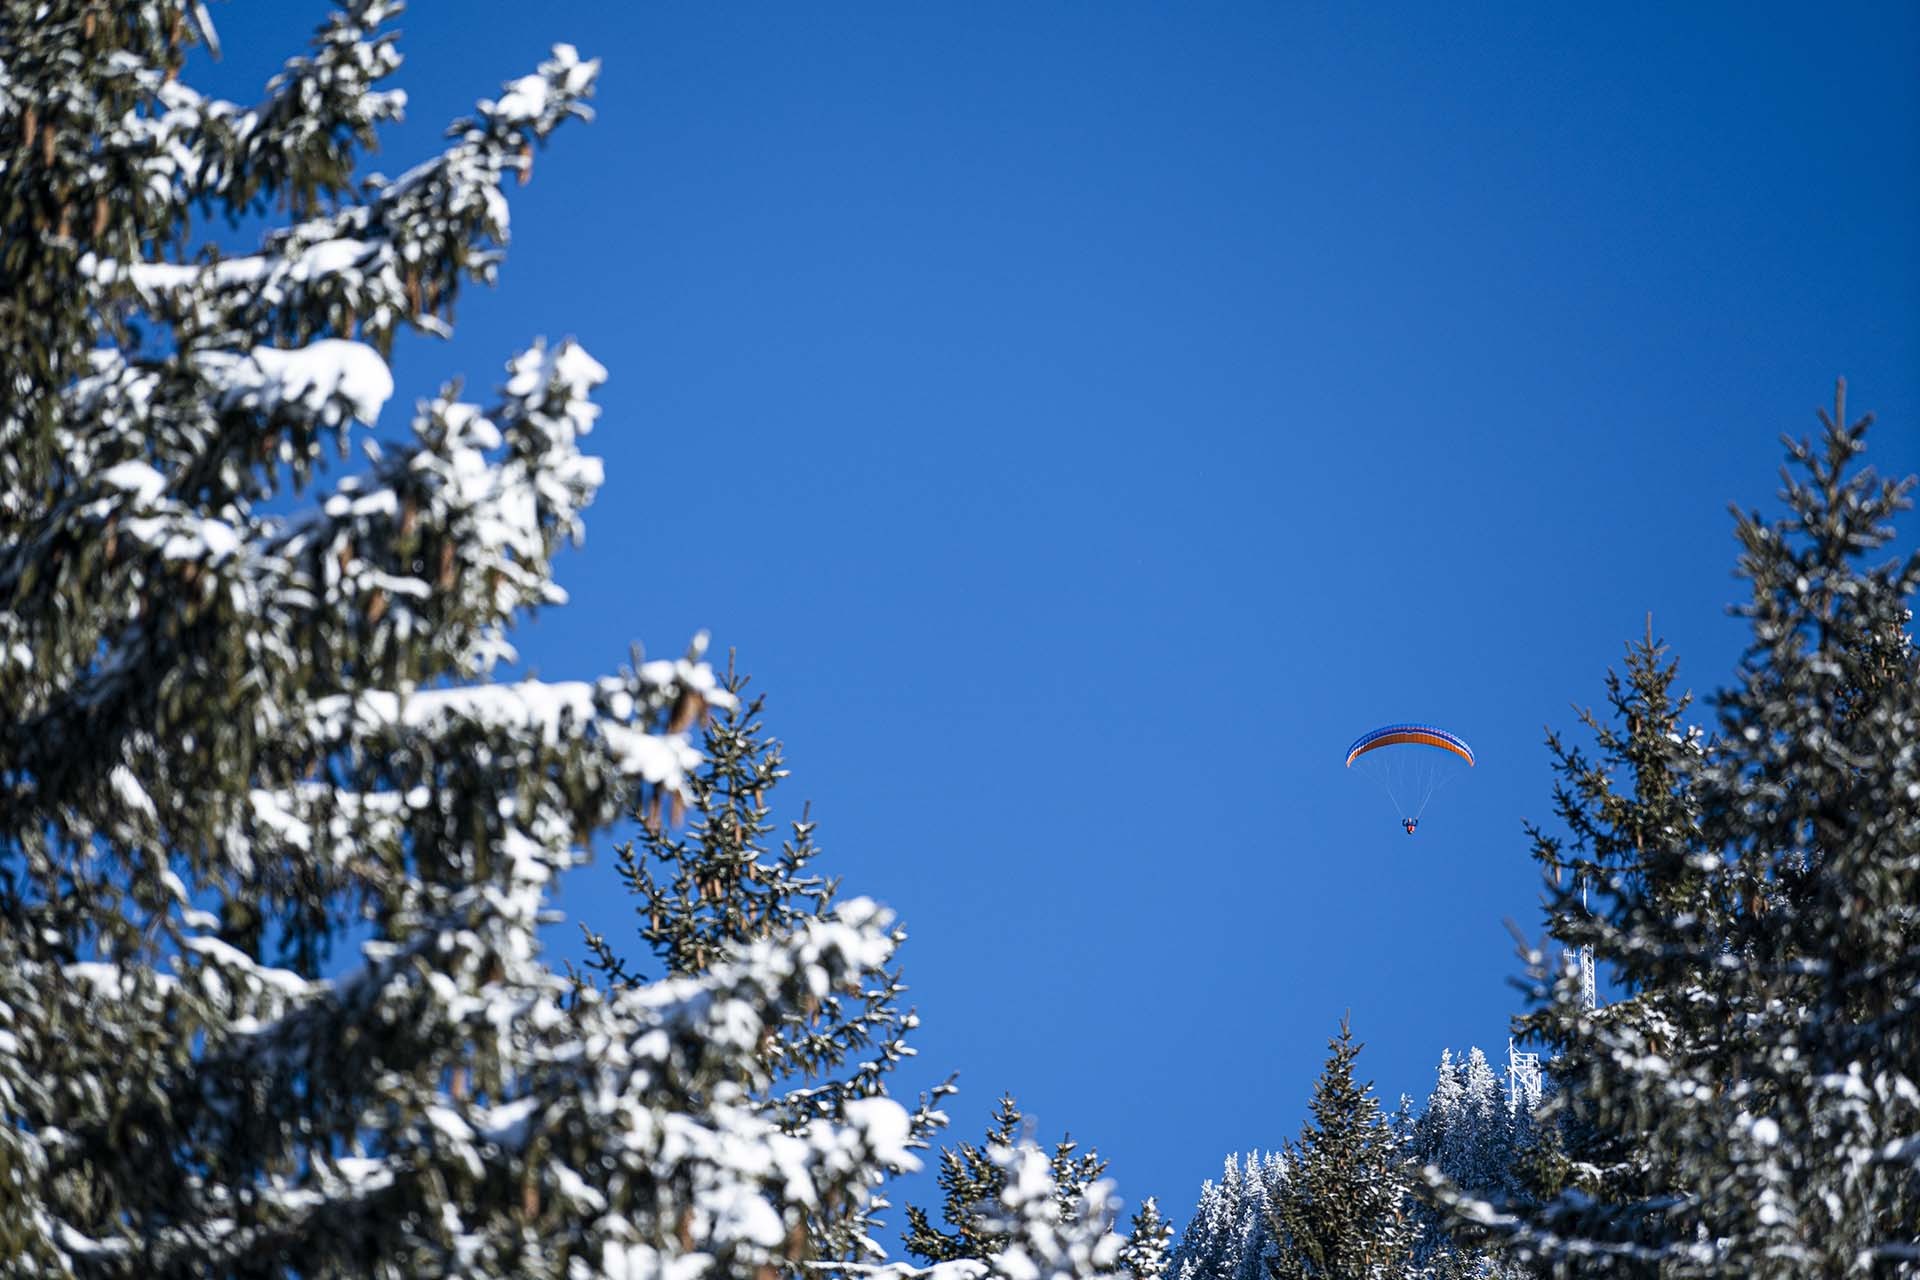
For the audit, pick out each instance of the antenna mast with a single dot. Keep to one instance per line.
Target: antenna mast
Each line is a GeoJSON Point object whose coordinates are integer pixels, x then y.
{"type": "Point", "coordinates": [1588, 996]}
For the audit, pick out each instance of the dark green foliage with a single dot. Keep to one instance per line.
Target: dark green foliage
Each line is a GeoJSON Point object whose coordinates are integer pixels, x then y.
{"type": "Point", "coordinates": [1632, 850]}
{"type": "Point", "coordinates": [984, 1225]}
{"type": "Point", "coordinates": [1344, 1211]}
{"type": "Point", "coordinates": [1750, 1106]}
{"type": "Point", "coordinates": [972, 1180]}
{"type": "Point", "coordinates": [707, 877]}
{"type": "Point", "coordinates": [712, 882]}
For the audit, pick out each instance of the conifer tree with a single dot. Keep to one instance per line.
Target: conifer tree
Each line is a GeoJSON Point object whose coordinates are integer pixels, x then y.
{"type": "Point", "coordinates": [1010, 1206]}
{"type": "Point", "coordinates": [236, 734]}
{"type": "Point", "coordinates": [1149, 1245]}
{"type": "Point", "coordinates": [972, 1180]}
{"type": "Point", "coordinates": [1630, 860]}
{"type": "Point", "coordinates": [1344, 1212]}
{"type": "Point", "coordinates": [713, 883]}
{"type": "Point", "coordinates": [1205, 1248]}
{"type": "Point", "coordinates": [1466, 1133]}
{"type": "Point", "coordinates": [1755, 1110]}
{"type": "Point", "coordinates": [1228, 1237]}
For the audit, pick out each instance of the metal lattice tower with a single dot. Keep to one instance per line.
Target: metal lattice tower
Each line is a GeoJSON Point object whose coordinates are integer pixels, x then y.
{"type": "Point", "coordinates": [1523, 1078]}
{"type": "Point", "coordinates": [1588, 996]}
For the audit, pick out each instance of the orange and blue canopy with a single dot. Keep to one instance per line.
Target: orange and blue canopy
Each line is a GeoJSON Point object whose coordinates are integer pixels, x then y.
{"type": "Point", "coordinates": [1424, 735]}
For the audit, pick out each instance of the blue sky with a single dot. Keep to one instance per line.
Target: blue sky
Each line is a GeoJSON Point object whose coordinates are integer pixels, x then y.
{"type": "Point", "coordinates": [1085, 419]}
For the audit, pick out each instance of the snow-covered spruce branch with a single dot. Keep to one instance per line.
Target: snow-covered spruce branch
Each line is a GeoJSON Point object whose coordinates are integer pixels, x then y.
{"type": "Point", "coordinates": [134, 147]}
{"type": "Point", "coordinates": [434, 553]}
{"type": "Point", "coordinates": [182, 145]}
{"type": "Point", "coordinates": [611, 1135]}
{"type": "Point", "coordinates": [1591, 1232]}
{"type": "Point", "coordinates": [397, 258]}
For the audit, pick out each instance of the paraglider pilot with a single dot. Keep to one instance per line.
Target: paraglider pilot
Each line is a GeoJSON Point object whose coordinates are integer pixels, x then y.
{"type": "Point", "coordinates": [1411, 824]}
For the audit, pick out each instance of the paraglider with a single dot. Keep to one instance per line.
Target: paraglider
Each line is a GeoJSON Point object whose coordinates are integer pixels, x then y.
{"type": "Point", "coordinates": [1402, 758]}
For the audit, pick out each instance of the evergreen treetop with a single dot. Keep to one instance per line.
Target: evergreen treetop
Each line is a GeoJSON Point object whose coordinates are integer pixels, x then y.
{"type": "Point", "coordinates": [1344, 1209]}
{"type": "Point", "coordinates": [973, 1179]}
{"type": "Point", "coordinates": [1228, 1237]}
{"type": "Point", "coordinates": [1749, 1108]}
{"type": "Point", "coordinates": [715, 882]}
{"type": "Point", "coordinates": [1011, 1207]}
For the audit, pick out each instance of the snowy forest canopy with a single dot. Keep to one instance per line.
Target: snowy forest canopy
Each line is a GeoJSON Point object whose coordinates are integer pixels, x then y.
{"type": "Point", "coordinates": [276, 845]}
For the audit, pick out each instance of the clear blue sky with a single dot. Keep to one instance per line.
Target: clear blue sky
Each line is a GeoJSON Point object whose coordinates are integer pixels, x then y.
{"type": "Point", "coordinates": [1084, 419]}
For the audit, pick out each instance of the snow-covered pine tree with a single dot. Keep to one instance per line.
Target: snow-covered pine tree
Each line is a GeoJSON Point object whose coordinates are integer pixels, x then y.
{"type": "Point", "coordinates": [1466, 1132]}
{"type": "Point", "coordinates": [230, 738]}
{"type": "Point", "coordinates": [1433, 1129]}
{"type": "Point", "coordinates": [1759, 1114]}
{"type": "Point", "coordinates": [1005, 1202]}
{"type": "Point", "coordinates": [1043, 1232]}
{"type": "Point", "coordinates": [1466, 1128]}
{"type": "Point", "coordinates": [715, 883]}
{"type": "Point", "coordinates": [971, 1182]}
{"type": "Point", "coordinates": [1629, 860]}
{"type": "Point", "coordinates": [1344, 1211]}
{"type": "Point", "coordinates": [1227, 1238]}
{"type": "Point", "coordinates": [1206, 1240]}
{"type": "Point", "coordinates": [1149, 1246]}
{"type": "Point", "coordinates": [1483, 1142]}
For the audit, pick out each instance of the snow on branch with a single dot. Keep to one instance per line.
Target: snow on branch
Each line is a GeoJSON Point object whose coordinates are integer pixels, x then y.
{"type": "Point", "coordinates": [553, 713]}
{"type": "Point", "coordinates": [182, 145]}
{"type": "Point", "coordinates": [395, 258]}
{"type": "Point", "coordinates": [632, 1114]}
{"type": "Point", "coordinates": [1041, 1241]}
{"type": "Point", "coordinates": [321, 380]}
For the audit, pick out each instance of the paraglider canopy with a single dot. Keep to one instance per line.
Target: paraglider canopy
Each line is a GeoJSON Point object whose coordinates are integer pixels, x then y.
{"type": "Point", "coordinates": [1412, 761]}
{"type": "Point", "coordinates": [1399, 735]}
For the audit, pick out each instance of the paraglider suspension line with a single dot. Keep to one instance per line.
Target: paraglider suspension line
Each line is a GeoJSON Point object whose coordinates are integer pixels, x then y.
{"type": "Point", "coordinates": [1427, 781]}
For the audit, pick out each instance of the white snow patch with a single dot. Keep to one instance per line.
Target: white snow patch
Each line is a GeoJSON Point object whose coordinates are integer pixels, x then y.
{"type": "Point", "coordinates": [136, 478]}
{"type": "Point", "coordinates": [127, 789]}
{"type": "Point", "coordinates": [524, 100]}
{"type": "Point", "coordinates": [887, 1129]}
{"type": "Point", "coordinates": [309, 376]}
